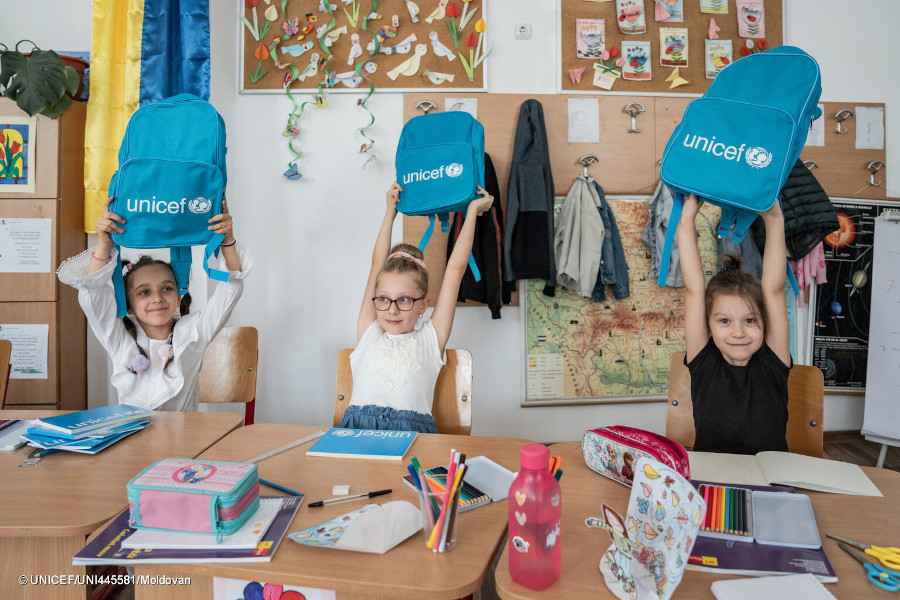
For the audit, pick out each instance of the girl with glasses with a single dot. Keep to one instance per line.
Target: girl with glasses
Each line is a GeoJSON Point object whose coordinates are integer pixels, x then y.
{"type": "Point", "coordinates": [396, 363]}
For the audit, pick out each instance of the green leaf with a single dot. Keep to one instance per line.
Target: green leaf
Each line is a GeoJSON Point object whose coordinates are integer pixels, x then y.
{"type": "Point", "coordinates": [38, 82]}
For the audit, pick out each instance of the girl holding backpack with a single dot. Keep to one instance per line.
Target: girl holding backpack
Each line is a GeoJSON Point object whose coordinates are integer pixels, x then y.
{"type": "Point", "coordinates": [157, 348]}
{"type": "Point", "coordinates": [395, 364]}
{"type": "Point", "coordinates": [737, 339]}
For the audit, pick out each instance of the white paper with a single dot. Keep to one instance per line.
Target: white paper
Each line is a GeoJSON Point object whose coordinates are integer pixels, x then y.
{"type": "Point", "coordinates": [29, 349]}
{"type": "Point", "coordinates": [870, 127]}
{"type": "Point", "coordinates": [469, 105]}
{"type": "Point", "coordinates": [816, 135]}
{"type": "Point", "coordinates": [545, 376]}
{"type": "Point", "coordinates": [25, 245]}
{"type": "Point", "coordinates": [379, 530]}
{"type": "Point", "coordinates": [584, 120]}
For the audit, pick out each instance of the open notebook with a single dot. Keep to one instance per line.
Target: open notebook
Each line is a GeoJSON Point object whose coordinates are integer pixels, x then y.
{"type": "Point", "coordinates": [782, 468]}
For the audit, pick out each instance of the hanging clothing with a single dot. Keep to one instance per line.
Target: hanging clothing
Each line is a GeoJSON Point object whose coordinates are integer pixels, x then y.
{"type": "Point", "coordinates": [613, 268]}
{"type": "Point", "coordinates": [808, 213]}
{"type": "Point", "coordinates": [578, 238]}
{"type": "Point", "coordinates": [809, 269]}
{"type": "Point", "coordinates": [529, 202]}
{"type": "Point", "coordinates": [487, 250]}
{"type": "Point", "coordinates": [654, 235]}
{"type": "Point", "coordinates": [746, 250]}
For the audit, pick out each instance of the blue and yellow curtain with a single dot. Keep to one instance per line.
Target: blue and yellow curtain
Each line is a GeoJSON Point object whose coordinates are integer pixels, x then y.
{"type": "Point", "coordinates": [141, 51]}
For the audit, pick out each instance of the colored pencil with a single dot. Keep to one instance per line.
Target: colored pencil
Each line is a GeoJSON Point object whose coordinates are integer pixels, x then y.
{"type": "Point", "coordinates": [732, 507]}
{"type": "Point", "coordinates": [708, 510]}
{"type": "Point", "coordinates": [439, 526]}
{"type": "Point", "coordinates": [722, 510]}
{"type": "Point", "coordinates": [742, 506]}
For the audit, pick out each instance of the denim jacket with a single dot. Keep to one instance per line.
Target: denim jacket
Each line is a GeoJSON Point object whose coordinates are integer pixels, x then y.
{"type": "Point", "coordinates": [613, 268]}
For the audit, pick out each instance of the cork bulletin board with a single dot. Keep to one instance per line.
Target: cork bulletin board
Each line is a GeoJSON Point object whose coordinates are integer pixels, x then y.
{"type": "Point", "coordinates": [261, 73]}
{"type": "Point", "coordinates": [697, 24]}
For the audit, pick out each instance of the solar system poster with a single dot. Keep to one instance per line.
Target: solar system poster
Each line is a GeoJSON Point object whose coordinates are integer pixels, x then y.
{"type": "Point", "coordinates": [841, 326]}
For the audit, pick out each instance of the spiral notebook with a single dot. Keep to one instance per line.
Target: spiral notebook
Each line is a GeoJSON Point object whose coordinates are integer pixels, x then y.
{"type": "Point", "coordinates": [485, 482]}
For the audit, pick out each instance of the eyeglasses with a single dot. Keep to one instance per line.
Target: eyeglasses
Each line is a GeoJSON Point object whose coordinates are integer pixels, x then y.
{"type": "Point", "coordinates": [403, 303]}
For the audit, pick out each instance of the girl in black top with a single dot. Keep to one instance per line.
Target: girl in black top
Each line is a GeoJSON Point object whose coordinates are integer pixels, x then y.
{"type": "Point", "coordinates": [737, 339]}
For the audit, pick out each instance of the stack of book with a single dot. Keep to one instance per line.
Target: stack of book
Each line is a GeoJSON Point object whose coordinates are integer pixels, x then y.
{"type": "Point", "coordinates": [87, 431]}
{"type": "Point", "coordinates": [255, 541]}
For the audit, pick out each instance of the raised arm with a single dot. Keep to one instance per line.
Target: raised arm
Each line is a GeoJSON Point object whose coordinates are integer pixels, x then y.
{"type": "Point", "coordinates": [379, 257]}
{"type": "Point", "coordinates": [778, 333]}
{"type": "Point", "coordinates": [445, 309]}
{"type": "Point", "coordinates": [696, 329]}
{"type": "Point", "coordinates": [223, 224]}
{"type": "Point", "coordinates": [107, 223]}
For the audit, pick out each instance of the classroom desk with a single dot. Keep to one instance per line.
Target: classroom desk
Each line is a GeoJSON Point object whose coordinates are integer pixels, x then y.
{"type": "Point", "coordinates": [873, 520]}
{"type": "Point", "coordinates": [48, 510]}
{"type": "Point", "coordinates": [409, 570]}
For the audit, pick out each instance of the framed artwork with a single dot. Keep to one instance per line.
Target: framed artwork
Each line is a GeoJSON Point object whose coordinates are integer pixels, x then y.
{"type": "Point", "coordinates": [17, 136]}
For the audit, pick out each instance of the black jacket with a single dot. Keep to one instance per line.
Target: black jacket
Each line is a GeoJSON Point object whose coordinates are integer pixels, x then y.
{"type": "Point", "coordinates": [487, 249]}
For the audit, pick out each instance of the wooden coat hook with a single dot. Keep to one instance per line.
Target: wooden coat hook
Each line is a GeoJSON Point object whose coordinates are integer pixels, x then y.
{"type": "Point", "coordinates": [634, 109]}
{"type": "Point", "coordinates": [842, 115]}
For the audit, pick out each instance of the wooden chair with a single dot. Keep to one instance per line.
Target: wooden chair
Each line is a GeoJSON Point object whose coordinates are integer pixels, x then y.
{"type": "Point", "coordinates": [452, 407]}
{"type": "Point", "coordinates": [229, 366]}
{"type": "Point", "coordinates": [805, 406]}
{"type": "Point", "coordinates": [5, 366]}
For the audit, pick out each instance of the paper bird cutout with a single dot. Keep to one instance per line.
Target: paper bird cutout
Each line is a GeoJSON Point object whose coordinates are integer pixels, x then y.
{"type": "Point", "coordinates": [322, 7]}
{"type": "Point", "coordinates": [437, 13]}
{"type": "Point", "coordinates": [409, 66]}
{"type": "Point", "coordinates": [438, 78]}
{"type": "Point", "coordinates": [439, 48]}
{"type": "Point", "coordinates": [402, 48]}
{"type": "Point", "coordinates": [413, 9]}
{"type": "Point", "coordinates": [676, 79]}
{"type": "Point", "coordinates": [297, 49]}
{"type": "Point", "coordinates": [713, 29]}
{"type": "Point", "coordinates": [575, 75]}
{"type": "Point", "coordinates": [312, 68]}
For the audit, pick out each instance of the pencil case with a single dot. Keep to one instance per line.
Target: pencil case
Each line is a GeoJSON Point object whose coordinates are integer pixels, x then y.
{"type": "Point", "coordinates": [613, 451]}
{"type": "Point", "coordinates": [175, 494]}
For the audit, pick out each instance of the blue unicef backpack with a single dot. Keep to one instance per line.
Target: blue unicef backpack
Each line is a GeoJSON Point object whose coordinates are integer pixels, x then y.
{"type": "Point", "coordinates": [736, 145]}
{"type": "Point", "coordinates": [440, 162]}
{"type": "Point", "coordinates": [170, 182]}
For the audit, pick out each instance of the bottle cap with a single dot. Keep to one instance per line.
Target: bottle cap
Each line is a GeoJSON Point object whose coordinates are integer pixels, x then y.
{"type": "Point", "coordinates": [534, 456]}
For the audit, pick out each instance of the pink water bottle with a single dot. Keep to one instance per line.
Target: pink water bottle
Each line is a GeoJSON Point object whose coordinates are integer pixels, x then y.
{"type": "Point", "coordinates": [534, 514]}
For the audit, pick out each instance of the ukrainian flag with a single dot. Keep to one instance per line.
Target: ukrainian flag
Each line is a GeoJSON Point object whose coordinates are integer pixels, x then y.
{"type": "Point", "coordinates": [141, 51]}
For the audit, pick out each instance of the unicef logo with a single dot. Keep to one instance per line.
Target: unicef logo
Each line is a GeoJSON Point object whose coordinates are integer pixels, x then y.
{"type": "Point", "coordinates": [194, 473]}
{"type": "Point", "coordinates": [200, 205]}
{"type": "Point", "coordinates": [343, 433]}
{"type": "Point", "coordinates": [758, 157]}
{"type": "Point", "coordinates": [454, 170]}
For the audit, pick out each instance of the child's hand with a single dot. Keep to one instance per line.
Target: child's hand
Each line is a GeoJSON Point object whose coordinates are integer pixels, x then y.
{"type": "Point", "coordinates": [692, 206]}
{"type": "Point", "coordinates": [480, 204]}
{"type": "Point", "coordinates": [222, 224]}
{"type": "Point", "coordinates": [773, 214]}
{"type": "Point", "coordinates": [393, 197]}
{"type": "Point", "coordinates": [108, 223]}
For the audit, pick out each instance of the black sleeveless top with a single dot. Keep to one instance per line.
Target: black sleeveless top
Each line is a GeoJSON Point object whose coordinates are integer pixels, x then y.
{"type": "Point", "coordinates": [739, 410]}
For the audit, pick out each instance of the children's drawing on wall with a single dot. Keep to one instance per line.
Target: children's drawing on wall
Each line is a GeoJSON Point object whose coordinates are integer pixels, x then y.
{"type": "Point", "coordinates": [669, 11]}
{"type": "Point", "coordinates": [17, 154]}
{"type": "Point", "coordinates": [469, 105]}
{"type": "Point", "coordinates": [714, 7]}
{"type": "Point", "coordinates": [236, 589]}
{"type": "Point", "coordinates": [584, 120]}
{"type": "Point", "coordinates": [751, 19]}
{"type": "Point", "coordinates": [631, 16]}
{"type": "Point", "coordinates": [590, 37]}
{"type": "Point", "coordinates": [674, 44]}
{"type": "Point", "coordinates": [869, 127]}
{"type": "Point", "coordinates": [717, 57]}
{"type": "Point", "coordinates": [637, 61]}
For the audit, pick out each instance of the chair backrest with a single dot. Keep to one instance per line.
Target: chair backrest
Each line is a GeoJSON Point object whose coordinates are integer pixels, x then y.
{"type": "Point", "coordinates": [228, 373]}
{"type": "Point", "coordinates": [5, 352]}
{"type": "Point", "coordinates": [452, 406]}
{"type": "Point", "coordinates": [805, 407]}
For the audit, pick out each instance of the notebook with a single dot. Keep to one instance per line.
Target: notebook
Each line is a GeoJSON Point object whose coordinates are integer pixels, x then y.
{"type": "Point", "coordinates": [779, 587]}
{"type": "Point", "coordinates": [10, 434]}
{"type": "Point", "coordinates": [81, 423]}
{"type": "Point", "coordinates": [363, 443]}
{"type": "Point", "coordinates": [485, 482]}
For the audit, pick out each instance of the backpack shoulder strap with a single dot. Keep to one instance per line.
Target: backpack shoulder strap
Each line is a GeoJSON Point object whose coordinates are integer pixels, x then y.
{"type": "Point", "coordinates": [674, 218]}
{"type": "Point", "coordinates": [426, 237]}
{"type": "Point", "coordinates": [118, 282]}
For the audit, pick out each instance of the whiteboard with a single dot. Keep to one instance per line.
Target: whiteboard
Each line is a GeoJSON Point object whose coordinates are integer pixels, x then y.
{"type": "Point", "coordinates": [882, 413]}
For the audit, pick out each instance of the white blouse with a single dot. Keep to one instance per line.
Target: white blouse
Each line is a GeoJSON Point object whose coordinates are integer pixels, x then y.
{"type": "Point", "coordinates": [179, 389]}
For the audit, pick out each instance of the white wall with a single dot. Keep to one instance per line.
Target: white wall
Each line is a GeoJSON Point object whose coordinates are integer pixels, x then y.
{"type": "Point", "coordinates": [312, 239]}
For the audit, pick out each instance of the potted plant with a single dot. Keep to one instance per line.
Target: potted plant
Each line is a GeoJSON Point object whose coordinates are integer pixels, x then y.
{"type": "Point", "coordinates": [39, 81]}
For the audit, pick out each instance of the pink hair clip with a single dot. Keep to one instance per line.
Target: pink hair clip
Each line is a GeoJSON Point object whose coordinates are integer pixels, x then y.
{"type": "Point", "coordinates": [418, 261]}
{"type": "Point", "coordinates": [127, 266]}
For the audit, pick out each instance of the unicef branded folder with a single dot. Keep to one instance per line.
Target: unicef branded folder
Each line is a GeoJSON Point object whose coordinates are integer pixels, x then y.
{"type": "Point", "coordinates": [78, 424]}
{"type": "Point", "coordinates": [363, 443]}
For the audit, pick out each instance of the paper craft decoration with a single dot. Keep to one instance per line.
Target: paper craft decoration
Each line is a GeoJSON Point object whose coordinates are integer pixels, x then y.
{"type": "Point", "coordinates": [717, 56]}
{"type": "Point", "coordinates": [652, 544]}
{"type": "Point", "coordinates": [715, 7]}
{"type": "Point", "coordinates": [575, 74]}
{"type": "Point", "coordinates": [410, 66]}
{"type": "Point", "coordinates": [631, 17]}
{"type": "Point", "coordinates": [373, 528]}
{"type": "Point", "coordinates": [590, 37]}
{"type": "Point", "coordinates": [714, 29]}
{"type": "Point", "coordinates": [674, 44]}
{"type": "Point", "coordinates": [17, 154]}
{"type": "Point", "coordinates": [637, 65]}
{"type": "Point", "coordinates": [676, 79]}
{"type": "Point", "coordinates": [608, 68]}
{"type": "Point", "coordinates": [437, 78]}
{"type": "Point", "coordinates": [669, 11]}
{"type": "Point", "coordinates": [438, 13]}
{"type": "Point", "coordinates": [751, 19]}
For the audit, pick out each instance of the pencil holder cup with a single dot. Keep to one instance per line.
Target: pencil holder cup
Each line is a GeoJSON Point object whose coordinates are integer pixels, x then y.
{"type": "Point", "coordinates": [439, 513]}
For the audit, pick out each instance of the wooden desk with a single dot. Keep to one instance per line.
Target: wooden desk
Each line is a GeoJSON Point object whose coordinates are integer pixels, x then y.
{"type": "Point", "coordinates": [873, 520]}
{"type": "Point", "coordinates": [409, 570]}
{"type": "Point", "coordinates": [48, 510]}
